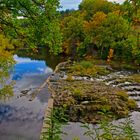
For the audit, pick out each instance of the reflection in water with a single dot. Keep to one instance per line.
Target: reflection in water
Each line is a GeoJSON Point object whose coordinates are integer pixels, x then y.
{"type": "Point", "coordinates": [41, 54]}
{"type": "Point", "coordinates": [28, 66]}
{"type": "Point", "coordinates": [20, 117]}
{"type": "Point", "coordinates": [6, 63]}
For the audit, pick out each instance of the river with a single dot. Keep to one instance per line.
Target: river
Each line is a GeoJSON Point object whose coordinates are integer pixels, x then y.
{"type": "Point", "coordinates": [21, 116]}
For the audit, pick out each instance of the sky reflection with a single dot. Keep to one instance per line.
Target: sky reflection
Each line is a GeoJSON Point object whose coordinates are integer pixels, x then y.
{"type": "Point", "coordinates": [26, 66]}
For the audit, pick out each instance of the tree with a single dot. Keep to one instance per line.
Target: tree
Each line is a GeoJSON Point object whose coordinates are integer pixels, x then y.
{"type": "Point", "coordinates": [132, 13]}
{"type": "Point", "coordinates": [72, 29]}
{"type": "Point", "coordinates": [131, 9]}
{"type": "Point", "coordinates": [108, 33]}
{"type": "Point", "coordinates": [93, 30]}
{"type": "Point", "coordinates": [34, 22]}
{"type": "Point", "coordinates": [93, 6]}
{"type": "Point", "coordinates": [115, 35]}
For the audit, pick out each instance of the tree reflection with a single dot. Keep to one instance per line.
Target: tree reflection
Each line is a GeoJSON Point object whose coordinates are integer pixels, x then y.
{"type": "Point", "coordinates": [6, 63]}
{"type": "Point", "coordinates": [41, 53]}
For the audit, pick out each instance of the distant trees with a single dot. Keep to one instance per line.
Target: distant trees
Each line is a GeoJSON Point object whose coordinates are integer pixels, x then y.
{"type": "Point", "coordinates": [101, 25]}
{"type": "Point", "coordinates": [132, 12]}
{"type": "Point", "coordinates": [115, 35]}
{"type": "Point", "coordinates": [131, 9]}
{"type": "Point", "coordinates": [93, 6]}
{"type": "Point", "coordinates": [97, 25]}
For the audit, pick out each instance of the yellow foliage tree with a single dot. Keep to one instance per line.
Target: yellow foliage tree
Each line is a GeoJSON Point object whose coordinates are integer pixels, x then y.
{"type": "Point", "coordinates": [6, 62]}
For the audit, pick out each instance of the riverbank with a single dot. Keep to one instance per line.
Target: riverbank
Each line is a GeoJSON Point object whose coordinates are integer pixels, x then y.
{"type": "Point", "coordinates": [85, 97]}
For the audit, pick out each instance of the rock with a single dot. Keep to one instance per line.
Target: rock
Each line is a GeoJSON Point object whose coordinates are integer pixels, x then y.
{"type": "Point", "coordinates": [54, 78]}
{"type": "Point", "coordinates": [65, 77]}
{"type": "Point", "coordinates": [78, 78]}
{"type": "Point", "coordinates": [25, 91]}
{"type": "Point", "coordinates": [86, 78]}
{"type": "Point", "coordinates": [128, 83]}
{"type": "Point", "coordinates": [91, 79]}
{"type": "Point", "coordinates": [85, 102]}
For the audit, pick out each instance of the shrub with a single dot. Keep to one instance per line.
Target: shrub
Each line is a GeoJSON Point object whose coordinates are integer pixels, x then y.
{"type": "Point", "coordinates": [86, 64]}
{"type": "Point", "coordinates": [122, 95]}
{"type": "Point", "coordinates": [132, 104]}
{"type": "Point", "coordinates": [77, 93]}
{"type": "Point", "coordinates": [69, 78]}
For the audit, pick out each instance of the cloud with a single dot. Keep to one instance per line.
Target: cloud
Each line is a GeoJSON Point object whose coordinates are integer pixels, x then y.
{"type": "Point", "coordinates": [23, 60]}
{"type": "Point", "coordinates": [48, 70]}
{"type": "Point", "coordinates": [118, 1]}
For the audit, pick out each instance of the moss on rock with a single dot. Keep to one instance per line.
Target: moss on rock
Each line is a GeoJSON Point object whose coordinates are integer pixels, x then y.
{"type": "Point", "coordinates": [85, 99]}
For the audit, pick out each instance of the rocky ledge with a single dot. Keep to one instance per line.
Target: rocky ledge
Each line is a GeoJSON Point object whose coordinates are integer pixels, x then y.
{"type": "Point", "coordinates": [85, 99]}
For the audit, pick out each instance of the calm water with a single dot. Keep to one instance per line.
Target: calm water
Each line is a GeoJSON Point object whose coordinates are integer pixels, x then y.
{"type": "Point", "coordinates": [21, 116]}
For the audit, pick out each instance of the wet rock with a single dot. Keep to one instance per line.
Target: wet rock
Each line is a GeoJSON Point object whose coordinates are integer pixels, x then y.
{"type": "Point", "coordinates": [54, 78]}
{"type": "Point", "coordinates": [25, 91]}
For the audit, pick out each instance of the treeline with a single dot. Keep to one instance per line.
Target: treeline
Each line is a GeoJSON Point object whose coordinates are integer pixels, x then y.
{"type": "Point", "coordinates": [98, 28]}
{"type": "Point", "coordinates": [103, 28]}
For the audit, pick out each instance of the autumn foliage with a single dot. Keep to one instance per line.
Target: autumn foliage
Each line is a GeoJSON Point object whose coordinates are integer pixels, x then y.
{"type": "Point", "coordinates": [102, 29]}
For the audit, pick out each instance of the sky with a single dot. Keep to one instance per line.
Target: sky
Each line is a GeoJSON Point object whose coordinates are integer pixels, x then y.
{"type": "Point", "coordinates": [73, 4]}
{"type": "Point", "coordinates": [70, 4]}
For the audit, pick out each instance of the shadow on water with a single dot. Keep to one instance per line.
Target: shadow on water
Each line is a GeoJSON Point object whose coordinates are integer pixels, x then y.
{"type": "Point", "coordinates": [21, 116]}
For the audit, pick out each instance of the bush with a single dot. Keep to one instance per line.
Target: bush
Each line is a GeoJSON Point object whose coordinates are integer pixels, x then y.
{"type": "Point", "coordinates": [69, 78]}
{"type": "Point", "coordinates": [87, 68]}
{"type": "Point", "coordinates": [77, 93]}
{"type": "Point", "coordinates": [123, 95]}
{"type": "Point", "coordinates": [86, 64]}
{"type": "Point", "coordinates": [132, 104]}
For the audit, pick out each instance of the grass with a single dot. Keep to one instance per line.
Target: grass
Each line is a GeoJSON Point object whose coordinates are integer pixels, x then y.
{"type": "Point", "coordinates": [87, 68]}
{"type": "Point", "coordinates": [104, 130]}
{"type": "Point", "coordinates": [135, 78]}
{"type": "Point", "coordinates": [110, 131]}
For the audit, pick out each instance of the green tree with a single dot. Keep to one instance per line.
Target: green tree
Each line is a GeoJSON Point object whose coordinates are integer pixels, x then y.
{"type": "Point", "coordinates": [115, 35]}
{"type": "Point", "coordinates": [132, 13]}
{"type": "Point", "coordinates": [73, 35]}
{"type": "Point", "coordinates": [131, 10]}
{"type": "Point", "coordinates": [32, 22]}
{"type": "Point", "coordinates": [93, 6]}
{"type": "Point", "coordinates": [93, 31]}
{"type": "Point", "coordinates": [108, 31]}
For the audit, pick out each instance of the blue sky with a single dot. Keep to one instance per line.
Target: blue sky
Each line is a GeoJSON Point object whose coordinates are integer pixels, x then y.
{"type": "Point", "coordinates": [73, 4]}
{"type": "Point", "coordinates": [70, 4]}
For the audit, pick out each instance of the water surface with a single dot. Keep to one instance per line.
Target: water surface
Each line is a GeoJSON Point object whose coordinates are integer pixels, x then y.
{"type": "Point", "coordinates": [21, 116]}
